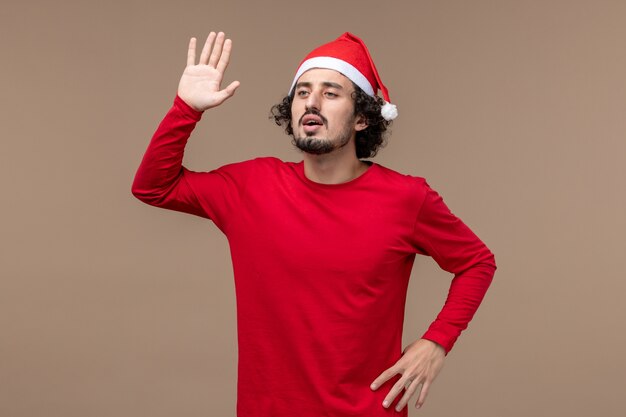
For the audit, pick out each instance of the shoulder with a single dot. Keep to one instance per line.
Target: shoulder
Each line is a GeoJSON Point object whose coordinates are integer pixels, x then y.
{"type": "Point", "coordinates": [395, 180]}
{"type": "Point", "coordinates": [256, 165]}
{"type": "Point", "coordinates": [257, 170]}
{"type": "Point", "coordinates": [409, 191]}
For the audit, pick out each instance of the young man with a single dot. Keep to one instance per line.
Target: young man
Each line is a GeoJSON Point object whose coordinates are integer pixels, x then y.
{"type": "Point", "coordinates": [322, 249]}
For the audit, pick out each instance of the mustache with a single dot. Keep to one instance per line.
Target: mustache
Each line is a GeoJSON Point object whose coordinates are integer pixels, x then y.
{"type": "Point", "coordinates": [314, 112]}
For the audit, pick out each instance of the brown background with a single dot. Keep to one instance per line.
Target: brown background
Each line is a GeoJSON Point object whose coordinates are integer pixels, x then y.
{"type": "Point", "coordinates": [514, 111]}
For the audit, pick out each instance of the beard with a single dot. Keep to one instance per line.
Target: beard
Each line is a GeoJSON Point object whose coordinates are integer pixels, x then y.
{"type": "Point", "coordinates": [320, 146]}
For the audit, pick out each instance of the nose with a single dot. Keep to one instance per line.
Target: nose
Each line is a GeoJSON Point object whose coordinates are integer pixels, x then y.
{"type": "Point", "coordinates": [312, 101]}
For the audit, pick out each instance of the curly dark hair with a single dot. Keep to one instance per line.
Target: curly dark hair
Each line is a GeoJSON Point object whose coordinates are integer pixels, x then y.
{"type": "Point", "coordinates": [368, 141]}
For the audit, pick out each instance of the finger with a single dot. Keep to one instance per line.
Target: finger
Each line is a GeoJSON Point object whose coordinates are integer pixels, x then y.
{"type": "Point", "coordinates": [204, 57]}
{"type": "Point", "coordinates": [395, 390]}
{"type": "Point", "coordinates": [225, 57]}
{"type": "Point", "coordinates": [412, 389]}
{"type": "Point", "coordinates": [217, 50]}
{"type": "Point", "coordinates": [384, 377]}
{"type": "Point", "coordinates": [423, 395]}
{"type": "Point", "coordinates": [191, 52]}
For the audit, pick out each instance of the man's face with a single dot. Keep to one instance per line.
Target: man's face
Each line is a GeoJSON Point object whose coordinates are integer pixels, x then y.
{"type": "Point", "coordinates": [322, 112]}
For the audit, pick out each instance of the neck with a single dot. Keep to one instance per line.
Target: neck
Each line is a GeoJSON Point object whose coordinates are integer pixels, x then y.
{"type": "Point", "coordinates": [333, 168]}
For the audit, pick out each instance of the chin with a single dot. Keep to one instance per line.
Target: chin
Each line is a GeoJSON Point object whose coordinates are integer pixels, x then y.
{"type": "Point", "coordinates": [313, 146]}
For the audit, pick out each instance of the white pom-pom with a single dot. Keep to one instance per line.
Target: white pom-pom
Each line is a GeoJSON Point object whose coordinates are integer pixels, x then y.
{"type": "Point", "coordinates": [389, 111]}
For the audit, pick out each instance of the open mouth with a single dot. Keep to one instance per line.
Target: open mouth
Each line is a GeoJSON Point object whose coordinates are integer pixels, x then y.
{"type": "Point", "coordinates": [312, 120]}
{"type": "Point", "coordinates": [311, 123]}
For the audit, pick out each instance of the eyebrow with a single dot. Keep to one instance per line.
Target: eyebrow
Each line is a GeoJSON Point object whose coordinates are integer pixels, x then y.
{"type": "Point", "coordinates": [325, 84]}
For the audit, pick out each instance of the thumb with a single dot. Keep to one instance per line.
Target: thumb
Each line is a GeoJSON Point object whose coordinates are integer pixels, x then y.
{"type": "Point", "coordinates": [230, 90]}
{"type": "Point", "coordinates": [225, 94]}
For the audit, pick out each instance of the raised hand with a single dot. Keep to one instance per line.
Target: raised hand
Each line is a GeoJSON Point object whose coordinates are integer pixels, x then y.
{"type": "Point", "coordinates": [200, 85]}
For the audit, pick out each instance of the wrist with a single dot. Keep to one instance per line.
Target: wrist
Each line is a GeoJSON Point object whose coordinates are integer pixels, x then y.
{"type": "Point", "coordinates": [437, 345]}
{"type": "Point", "coordinates": [186, 108]}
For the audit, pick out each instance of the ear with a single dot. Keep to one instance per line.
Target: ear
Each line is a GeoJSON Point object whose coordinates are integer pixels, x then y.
{"type": "Point", "coordinates": [360, 123]}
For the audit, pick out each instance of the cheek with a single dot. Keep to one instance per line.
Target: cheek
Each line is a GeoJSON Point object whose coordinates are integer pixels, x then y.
{"type": "Point", "coordinates": [294, 119]}
{"type": "Point", "coordinates": [296, 112]}
{"type": "Point", "coordinates": [346, 117]}
{"type": "Point", "coordinates": [346, 112]}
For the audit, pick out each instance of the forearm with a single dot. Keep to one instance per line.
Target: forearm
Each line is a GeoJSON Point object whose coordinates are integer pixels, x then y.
{"type": "Point", "coordinates": [161, 169]}
{"type": "Point", "coordinates": [466, 293]}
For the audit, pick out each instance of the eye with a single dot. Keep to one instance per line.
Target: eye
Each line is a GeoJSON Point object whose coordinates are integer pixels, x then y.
{"type": "Point", "coordinates": [331, 95]}
{"type": "Point", "coordinates": [302, 93]}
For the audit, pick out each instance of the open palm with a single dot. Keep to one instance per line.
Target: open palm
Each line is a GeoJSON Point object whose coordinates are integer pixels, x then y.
{"type": "Point", "coordinates": [200, 84]}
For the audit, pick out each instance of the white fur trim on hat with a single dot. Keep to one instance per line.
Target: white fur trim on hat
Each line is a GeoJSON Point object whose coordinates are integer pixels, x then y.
{"type": "Point", "coordinates": [389, 111]}
{"type": "Point", "coordinates": [343, 67]}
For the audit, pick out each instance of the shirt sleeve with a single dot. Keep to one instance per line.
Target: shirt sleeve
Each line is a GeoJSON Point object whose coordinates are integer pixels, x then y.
{"type": "Point", "coordinates": [456, 249]}
{"type": "Point", "coordinates": [162, 181]}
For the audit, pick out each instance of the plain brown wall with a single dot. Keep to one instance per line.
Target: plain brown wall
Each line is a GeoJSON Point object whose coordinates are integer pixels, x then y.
{"type": "Point", "coordinates": [515, 111]}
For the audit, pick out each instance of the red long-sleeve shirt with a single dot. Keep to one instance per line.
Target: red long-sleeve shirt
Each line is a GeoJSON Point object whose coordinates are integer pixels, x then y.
{"type": "Point", "coordinates": [321, 271]}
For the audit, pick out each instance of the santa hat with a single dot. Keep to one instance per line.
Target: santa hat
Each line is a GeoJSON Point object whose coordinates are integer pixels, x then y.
{"type": "Point", "coordinates": [348, 55]}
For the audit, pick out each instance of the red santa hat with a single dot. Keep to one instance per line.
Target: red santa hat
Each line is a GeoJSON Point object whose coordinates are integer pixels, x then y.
{"type": "Point", "coordinates": [348, 55]}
